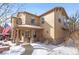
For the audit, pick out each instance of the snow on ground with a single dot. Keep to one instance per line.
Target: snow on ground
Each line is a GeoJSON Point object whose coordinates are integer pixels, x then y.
{"type": "Point", "coordinates": [62, 50]}
{"type": "Point", "coordinates": [42, 49]}
{"type": "Point", "coordinates": [14, 49]}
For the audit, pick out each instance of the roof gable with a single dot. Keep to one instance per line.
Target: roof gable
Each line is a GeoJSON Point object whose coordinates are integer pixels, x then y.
{"type": "Point", "coordinates": [57, 10]}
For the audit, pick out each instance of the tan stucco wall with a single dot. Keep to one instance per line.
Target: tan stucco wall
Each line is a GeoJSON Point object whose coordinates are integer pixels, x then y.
{"type": "Point", "coordinates": [48, 26]}
{"type": "Point", "coordinates": [26, 18]}
{"type": "Point", "coordinates": [52, 27]}
{"type": "Point", "coordinates": [13, 24]}
{"type": "Point", "coordinates": [13, 20]}
{"type": "Point", "coordinates": [59, 32]}
{"type": "Point", "coordinates": [22, 16]}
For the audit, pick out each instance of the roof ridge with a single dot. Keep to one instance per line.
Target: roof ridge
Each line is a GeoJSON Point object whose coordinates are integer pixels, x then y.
{"type": "Point", "coordinates": [52, 9]}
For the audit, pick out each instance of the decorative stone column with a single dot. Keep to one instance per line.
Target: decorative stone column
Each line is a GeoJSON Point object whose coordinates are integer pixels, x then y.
{"type": "Point", "coordinates": [22, 37]}
{"type": "Point", "coordinates": [32, 38]}
{"type": "Point", "coordinates": [17, 38]}
{"type": "Point", "coordinates": [12, 37]}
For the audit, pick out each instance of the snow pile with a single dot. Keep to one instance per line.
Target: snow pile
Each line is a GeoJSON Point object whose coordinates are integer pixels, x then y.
{"type": "Point", "coordinates": [42, 45]}
{"type": "Point", "coordinates": [62, 50]}
{"type": "Point", "coordinates": [8, 42]}
{"type": "Point", "coordinates": [42, 49]}
{"type": "Point", "coordinates": [40, 52]}
{"type": "Point", "coordinates": [14, 50]}
{"type": "Point", "coordinates": [3, 46]}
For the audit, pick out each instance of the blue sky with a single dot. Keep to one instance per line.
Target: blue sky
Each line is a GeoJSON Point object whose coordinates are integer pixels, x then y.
{"type": "Point", "coordinates": [40, 8]}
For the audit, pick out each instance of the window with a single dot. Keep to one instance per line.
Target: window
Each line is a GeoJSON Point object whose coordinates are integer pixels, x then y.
{"type": "Point", "coordinates": [42, 20]}
{"type": "Point", "coordinates": [47, 31]}
{"type": "Point", "coordinates": [32, 21]}
{"type": "Point", "coordinates": [63, 29]}
{"type": "Point", "coordinates": [34, 34]}
{"type": "Point", "coordinates": [26, 34]}
{"type": "Point", "coordinates": [59, 20]}
{"type": "Point", "coordinates": [19, 21]}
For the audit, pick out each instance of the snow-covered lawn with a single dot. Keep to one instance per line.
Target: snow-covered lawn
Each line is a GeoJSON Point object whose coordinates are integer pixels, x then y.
{"type": "Point", "coordinates": [62, 50]}
{"type": "Point", "coordinates": [14, 49]}
{"type": "Point", "coordinates": [41, 49]}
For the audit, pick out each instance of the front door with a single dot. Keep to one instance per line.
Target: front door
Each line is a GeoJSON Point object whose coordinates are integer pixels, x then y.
{"type": "Point", "coordinates": [27, 36]}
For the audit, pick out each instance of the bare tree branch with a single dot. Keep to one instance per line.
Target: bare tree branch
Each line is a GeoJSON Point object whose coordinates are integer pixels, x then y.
{"type": "Point", "coordinates": [7, 12]}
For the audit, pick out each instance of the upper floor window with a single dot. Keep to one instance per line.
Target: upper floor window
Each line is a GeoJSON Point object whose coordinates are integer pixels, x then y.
{"type": "Point", "coordinates": [65, 24]}
{"type": "Point", "coordinates": [42, 20]}
{"type": "Point", "coordinates": [33, 21]}
{"type": "Point", "coordinates": [59, 20]}
{"type": "Point", "coordinates": [19, 21]}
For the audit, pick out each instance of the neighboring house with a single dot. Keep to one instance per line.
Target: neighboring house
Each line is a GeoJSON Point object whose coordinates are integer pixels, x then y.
{"type": "Point", "coordinates": [1, 29]}
{"type": "Point", "coordinates": [50, 26]}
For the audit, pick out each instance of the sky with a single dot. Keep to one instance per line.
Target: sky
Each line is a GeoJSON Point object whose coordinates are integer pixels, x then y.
{"type": "Point", "coordinates": [40, 8]}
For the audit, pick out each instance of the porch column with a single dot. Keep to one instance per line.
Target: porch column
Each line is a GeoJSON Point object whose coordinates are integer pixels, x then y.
{"type": "Point", "coordinates": [17, 38]}
{"type": "Point", "coordinates": [22, 37]}
{"type": "Point", "coordinates": [12, 35]}
{"type": "Point", "coordinates": [32, 38]}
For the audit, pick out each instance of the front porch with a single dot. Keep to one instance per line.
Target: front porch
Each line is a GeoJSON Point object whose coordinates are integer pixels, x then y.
{"type": "Point", "coordinates": [27, 33]}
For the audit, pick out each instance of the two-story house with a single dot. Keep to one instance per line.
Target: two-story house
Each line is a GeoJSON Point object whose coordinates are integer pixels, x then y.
{"type": "Point", "coordinates": [50, 26]}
